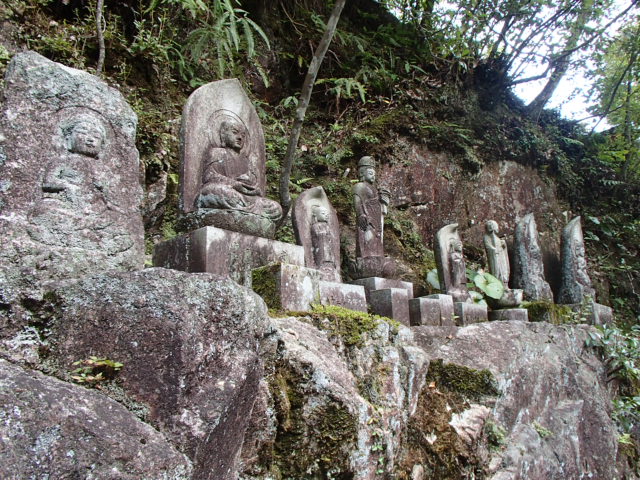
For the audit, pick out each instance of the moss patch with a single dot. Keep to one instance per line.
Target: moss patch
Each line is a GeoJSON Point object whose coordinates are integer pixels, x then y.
{"type": "Point", "coordinates": [468, 383]}
{"type": "Point", "coordinates": [264, 281]}
{"type": "Point", "coordinates": [312, 441]}
{"type": "Point", "coordinates": [543, 311]}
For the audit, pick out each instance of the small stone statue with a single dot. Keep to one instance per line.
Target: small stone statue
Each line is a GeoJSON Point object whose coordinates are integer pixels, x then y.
{"type": "Point", "coordinates": [528, 267]}
{"type": "Point", "coordinates": [370, 205]}
{"type": "Point", "coordinates": [451, 264]}
{"type": "Point", "coordinates": [497, 256]}
{"type": "Point", "coordinates": [576, 284]}
{"type": "Point", "coordinates": [316, 226]}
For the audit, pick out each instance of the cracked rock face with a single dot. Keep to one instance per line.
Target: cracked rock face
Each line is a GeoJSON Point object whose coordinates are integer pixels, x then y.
{"type": "Point", "coordinates": [52, 429]}
{"type": "Point", "coordinates": [70, 188]}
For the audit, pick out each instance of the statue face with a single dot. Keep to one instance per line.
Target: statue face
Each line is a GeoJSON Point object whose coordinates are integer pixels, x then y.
{"type": "Point", "coordinates": [86, 139]}
{"type": "Point", "coordinates": [491, 226]}
{"type": "Point", "coordinates": [368, 174]}
{"type": "Point", "coordinates": [321, 214]}
{"type": "Point", "coordinates": [232, 135]}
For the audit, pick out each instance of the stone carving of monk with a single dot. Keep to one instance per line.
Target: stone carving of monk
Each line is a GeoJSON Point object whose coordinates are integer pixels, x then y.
{"type": "Point", "coordinates": [322, 240]}
{"type": "Point", "coordinates": [227, 180]}
{"type": "Point", "coordinates": [370, 206]}
{"type": "Point", "coordinates": [497, 255]}
{"type": "Point", "coordinates": [458, 272]}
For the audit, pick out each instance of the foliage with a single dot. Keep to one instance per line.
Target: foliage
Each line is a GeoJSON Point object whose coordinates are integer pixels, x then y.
{"type": "Point", "coordinates": [542, 431]}
{"type": "Point", "coordinates": [94, 370]}
{"type": "Point", "coordinates": [488, 284]}
{"type": "Point", "coordinates": [620, 349]}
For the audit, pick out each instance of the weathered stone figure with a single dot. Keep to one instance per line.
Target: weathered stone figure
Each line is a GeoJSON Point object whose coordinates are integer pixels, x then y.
{"type": "Point", "coordinates": [316, 226]}
{"type": "Point", "coordinates": [528, 267]}
{"type": "Point", "coordinates": [497, 256]}
{"type": "Point", "coordinates": [223, 178]}
{"type": "Point", "coordinates": [576, 284]}
{"type": "Point", "coordinates": [370, 205]}
{"type": "Point", "coordinates": [451, 264]}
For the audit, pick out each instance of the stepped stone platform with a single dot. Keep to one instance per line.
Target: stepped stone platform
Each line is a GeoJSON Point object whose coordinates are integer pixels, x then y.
{"type": "Point", "coordinates": [435, 310]}
{"type": "Point", "coordinates": [469, 313]}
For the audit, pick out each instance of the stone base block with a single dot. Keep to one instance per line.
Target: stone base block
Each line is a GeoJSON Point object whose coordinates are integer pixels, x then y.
{"type": "Point", "coordinates": [378, 283]}
{"type": "Point", "coordinates": [375, 267]}
{"type": "Point", "coordinates": [519, 314]}
{"type": "Point", "coordinates": [233, 254]}
{"type": "Point", "coordinates": [469, 313]}
{"type": "Point", "coordinates": [596, 313]}
{"type": "Point", "coordinates": [392, 303]}
{"type": "Point", "coordinates": [343, 295]}
{"type": "Point", "coordinates": [232, 220]}
{"type": "Point", "coordinates": [287, 287]}
{"type": "Point", "coordinates": [425, 311]}
{"type": "Point", "coordinates": [446, 308]}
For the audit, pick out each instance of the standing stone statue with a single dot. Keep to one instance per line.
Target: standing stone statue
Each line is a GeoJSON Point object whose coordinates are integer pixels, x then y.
{"type": "Point", "coordinates": [576, 284]}
{"type": "Point", "coordinates": [497, 256]}
{"type": "Point", "coordinates": [316, 227]}
{"type": "Point", "coordinates": [528, 267]}
{"type": "Point", "coordinates": [223, 177]}
{"type": "Point", "coordinates": [451, 264]}
{"type": "Point", "coordinates": [70, 188]}
{"type": "Point", "coordinates": [371, 205]}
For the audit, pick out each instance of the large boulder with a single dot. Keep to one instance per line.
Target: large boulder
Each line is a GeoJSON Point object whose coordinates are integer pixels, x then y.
{"type": "Point", "coordinates": [189, 344]}
{"type": "Point", "coordinates": [52, 429]}
{"type": "Point", "coordinates": [70, 189]}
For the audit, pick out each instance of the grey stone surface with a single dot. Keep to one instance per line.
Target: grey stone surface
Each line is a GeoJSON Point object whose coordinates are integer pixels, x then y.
{"type": "Point", "coordinates": [223, 176]}
{"type": "Point", "coordinates": [425, 311]}
{"type": "Point", "coordinates": [52, 429]}
{"type": "Point", "coordinates": [546, 379]}
{"type": "Point", "coordinates": [517, 314]}
{"type": "Point", "coordinates": [376, 266]}
{"type": "Point", "coordinates": [497, 255]}
{"type": "Point", "coordinates": [223, 252]}
{"type": "Point", "coordinates": [446, 308]}
{"type": "Point", "coordinates": [343, 295]}
{"type": "Point", "coordinates": [450, 263]}
{"type": "Point", "coordinates": [190, 347]}
{"type": "Point", "coordinates": [378, 283]}
{"type": "Point", "coordinates": [392, 303]}
{"type": "Point", "coordinates": [576, 284]}
{"type": "Point", "coordinates": [469, 313]}
{"type": "Point", "coordinates": [528, 266]}
{"type": "Point", "coordinates": [316, 226]}
{"type": "Point", "coordinates": [70, 196]}
{"type": "Point", "coordinates": [287, 287]}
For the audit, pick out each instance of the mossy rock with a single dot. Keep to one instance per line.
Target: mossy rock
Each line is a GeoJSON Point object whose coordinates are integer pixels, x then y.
{"type": "Point", "coordinates": [544, 311]}
{"type": "Point", "coordinates": [264, 281]}
{"type": "Point", "coordinates": [469, 383]}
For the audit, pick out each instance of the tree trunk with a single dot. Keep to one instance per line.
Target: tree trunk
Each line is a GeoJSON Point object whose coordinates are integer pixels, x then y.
{"type": "Point", "coordinates": [303, 103]}
{"type": "Point", "coordinates": [99, 33]}
{"type": "Point", "coordinates": [561, 63]}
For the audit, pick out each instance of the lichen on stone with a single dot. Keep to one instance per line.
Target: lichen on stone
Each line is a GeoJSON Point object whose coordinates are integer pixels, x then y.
{"type": "Point", "coordinates": [264, 283]}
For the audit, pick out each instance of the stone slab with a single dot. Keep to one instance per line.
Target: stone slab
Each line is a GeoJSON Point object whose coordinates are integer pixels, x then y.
{"type": "Point", "coordinates": [378, 283]}
{"type": "Point", "coordinates": [598, 314]}
{"type": "Point", "coordinates": [425, 311]}
{"type": "Point", "coordinates": [469, 313]}
{"type": "Point", "coordinates": [343, 295]}
{"type": "Point", "coordinates": [446, 308]}
{"type": "Point", "coordinates": [233, 254]}
{"type": "Point", "coordinates": [287, 287]}
{"type": "Point", "coordinates": [392, 303]}
{"type": "Point", "coordinates": [518, 314]}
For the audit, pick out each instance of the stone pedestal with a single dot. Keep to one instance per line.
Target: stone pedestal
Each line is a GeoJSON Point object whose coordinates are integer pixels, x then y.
{"type": "Point", "coordinates": [343, 295]}
{"type": "Point", "coordinates": [519, 314]}
{"type": "Point", "coordinates": [469, 313]}
{"type": "Point", "coordinates": [598, 314]}
{"type": "Point", "coordinates": [392, 303]}
{"type": "Point", "coordinates": [446, 308]}
{"type": "Point", "coordinates": [378, 283]}
{"type": "Point", "coordinates": [425, 311]}
{"type": "Point", "coordinates": [214, 250]}
{"type": "Point", "coordinates": [287, 287]}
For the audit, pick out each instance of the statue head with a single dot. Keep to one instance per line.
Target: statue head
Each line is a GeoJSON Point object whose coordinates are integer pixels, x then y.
{"type": "Point", "coordinates": [491, 226]}
{"type": "Point", "coordinates": [320, 214]}
{"type": "Point", "coordinates": [366, 170]}
{"type": "Point", "coordinates": [85, 135]}
{"type": "Point", "coordinates": [456, 246]}
{"type": "Point", "coordinates": [232, 134]}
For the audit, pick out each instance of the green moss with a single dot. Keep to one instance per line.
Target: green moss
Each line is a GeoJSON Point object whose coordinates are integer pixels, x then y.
{"type": "Point", "coordinates": [264, 283]}
{"type": "Point", "coordinates": [544, 311]}
{"type": "Point", "coordinates": [351, 325]}
{"type": "Point", "coordinates": [495, 435]}
{"type": "Point", "coordinates": [467, 382]}
{"type": "Point", "coordinates": [320, 435]}
{"type": "Point", "coordinates": [542, 431]}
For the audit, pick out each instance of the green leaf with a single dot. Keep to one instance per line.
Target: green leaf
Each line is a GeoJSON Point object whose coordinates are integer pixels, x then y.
{"type": "Point", "coordinates": [490, 285]}
{"type": "Point", "coordinates": [433, 280]}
